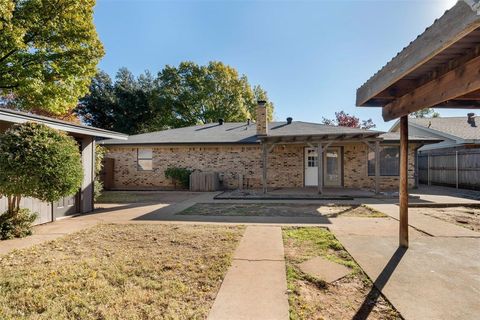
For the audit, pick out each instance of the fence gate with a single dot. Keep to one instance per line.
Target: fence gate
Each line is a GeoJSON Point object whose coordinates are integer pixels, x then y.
{"type": "Point", "coordinates": [459, 169]}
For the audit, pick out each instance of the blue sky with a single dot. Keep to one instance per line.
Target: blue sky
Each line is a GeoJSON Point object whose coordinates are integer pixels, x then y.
{"type": "Point", "coordinates": [310, 56]}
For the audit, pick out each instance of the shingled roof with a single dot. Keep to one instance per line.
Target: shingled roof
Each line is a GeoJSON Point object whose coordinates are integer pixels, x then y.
{"type": "Point", "coordinates": [241, 133]}
{"type": "Point", "coordinates": [457, 127]}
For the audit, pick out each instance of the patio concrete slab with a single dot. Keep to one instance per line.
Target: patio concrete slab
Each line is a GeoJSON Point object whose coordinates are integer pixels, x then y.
{"type": "Point", "coordinates": [436, 278]}
{"type": "Point", "coordinates": [255, 285]}
{"type": "Point", "coordinates": [324, 269]}
{"type": "Point", "coordinates": [386, 227]}
{"type": "Point", "coordinates": [429, 225]}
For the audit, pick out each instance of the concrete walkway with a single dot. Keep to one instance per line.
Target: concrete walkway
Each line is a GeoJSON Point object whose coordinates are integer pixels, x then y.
{"type": "Point", "coordinates": [436, 278]}
{"type": "Point", "coordinates": [255, 285]}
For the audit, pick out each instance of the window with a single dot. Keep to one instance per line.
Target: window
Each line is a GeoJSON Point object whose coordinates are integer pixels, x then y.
{"type": "Point", "coordinates": [312, 159]}
{"type": "Point", "coordinates": [144, 159]}
{"type": "Point", "coordinates": [389, 161]}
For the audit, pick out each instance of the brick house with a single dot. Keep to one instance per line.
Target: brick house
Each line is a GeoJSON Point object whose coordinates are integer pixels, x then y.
{"type": "Point", "coordinates": [238, 151]}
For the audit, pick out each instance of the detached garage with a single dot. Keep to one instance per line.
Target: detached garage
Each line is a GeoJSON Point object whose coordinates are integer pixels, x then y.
{"type": "Point", "coordinates": [82, 202]}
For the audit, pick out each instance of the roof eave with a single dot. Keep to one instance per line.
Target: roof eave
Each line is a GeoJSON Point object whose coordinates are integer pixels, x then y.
{"type": "Point", "coordinates": [71, 128]}
{"type": "Point", "coordinates": [442, 34]}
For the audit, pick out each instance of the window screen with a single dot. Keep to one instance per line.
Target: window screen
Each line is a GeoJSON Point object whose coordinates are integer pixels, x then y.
{"type": "Point", "coordinates": [389, 161]}
{"type": "Point", "coordinates": [144, 159]}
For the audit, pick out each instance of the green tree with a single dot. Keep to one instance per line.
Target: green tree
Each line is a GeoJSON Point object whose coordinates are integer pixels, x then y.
{"type": "Point", "coordinates": [204, 94]}
{"type": "Point", "coordinates": [48, 53]}
{"type": "Point", "coordinates": [425, 113]}
{"type": "Point", "coordinates": [179, 96]}
{"type": "Point", "coordinates": [40, 162]}
{"type": "Point", "coordinates": [98, 107]}
{"type": "Point", "coordinates": [129, 105]}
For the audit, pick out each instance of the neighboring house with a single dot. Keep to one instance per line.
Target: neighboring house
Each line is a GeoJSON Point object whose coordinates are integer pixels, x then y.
{"type": "Point", "coordinates": [82, 202]}
{"type": "Point", "coordinates": [457, 133]}
{"type": "Point", "coordinates": [456, 160]}
{"type": "Point", "coordinates": [238, 151]}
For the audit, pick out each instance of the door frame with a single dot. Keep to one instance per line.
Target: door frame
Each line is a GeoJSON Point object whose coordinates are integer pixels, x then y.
{"type": "Point", "coordinates": [340, 167]}
{"type": "Point", "coordinates": [340, 148]}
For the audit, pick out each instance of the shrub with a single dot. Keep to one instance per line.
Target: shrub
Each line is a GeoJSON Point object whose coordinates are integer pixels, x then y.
{"type": "Point", "coordinates": [180, 176]}
{"type": "Point", "coordinates": [39, 162]}
{"type": "Point", "coordinates": [16, 225]}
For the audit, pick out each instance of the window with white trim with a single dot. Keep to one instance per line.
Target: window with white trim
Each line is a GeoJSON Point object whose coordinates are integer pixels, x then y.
{"type": "Point", "coordinates": [389, 161]}
{"type": "Point", "coordinates": [145, 159]}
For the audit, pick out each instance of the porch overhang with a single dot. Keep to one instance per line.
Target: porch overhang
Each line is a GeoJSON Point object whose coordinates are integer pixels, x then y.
{"type": "Point", "coordinates": [438, 69]}
{"type": "Point", "coordinates": [321, 138]}
{"type": "Point", "coordinates": [320, 142]}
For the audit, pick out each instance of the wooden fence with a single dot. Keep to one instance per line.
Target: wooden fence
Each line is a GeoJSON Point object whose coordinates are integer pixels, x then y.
{"type": "Point", "coordinates": [204, 181]}
{"type": "Point", "coordinates": [459, 169]}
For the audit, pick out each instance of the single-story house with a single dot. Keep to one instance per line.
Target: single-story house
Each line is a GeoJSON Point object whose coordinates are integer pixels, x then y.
{"type": "Point", "coordinates": [455, 161]}
{"type": "Point", "coordinates": [261, 154]}
{"type": "Point", "coordinates": [82, 202]}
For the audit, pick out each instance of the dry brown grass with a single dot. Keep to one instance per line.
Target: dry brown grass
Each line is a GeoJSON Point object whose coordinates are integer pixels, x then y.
{"type": "Point", "coordinates": [351, 297]}
{"type": "Point", "coordinates": [119, 272]}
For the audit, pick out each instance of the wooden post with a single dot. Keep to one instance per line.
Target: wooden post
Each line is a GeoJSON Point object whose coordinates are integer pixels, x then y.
{"type": "Point", "coordinates": [403, 197]}
{"type": "Point", "coordinates": [264, 176]}
{"type": "Point", "coordinates": [320, 167]}
{"type": "Point", "coordinates": [428, 169]}
{"type": "Point", "coordinates": [377, 167]}
{"type": "Point", "coordinates": [456, 168]}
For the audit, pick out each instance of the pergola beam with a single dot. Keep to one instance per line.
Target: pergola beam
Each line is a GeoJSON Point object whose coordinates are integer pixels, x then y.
{"type": "Point", "coordinates": [458, 82]}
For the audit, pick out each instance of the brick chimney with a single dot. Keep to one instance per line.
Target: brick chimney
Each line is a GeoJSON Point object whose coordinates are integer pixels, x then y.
{"type": "Point", "coordinates": [262, 122]}
{"type": "Point", "coordinates": [471, 119]}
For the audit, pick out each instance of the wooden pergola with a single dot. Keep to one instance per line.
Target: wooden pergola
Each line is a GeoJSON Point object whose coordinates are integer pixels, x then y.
{"type": "Point", "coordinates": [439, 69]}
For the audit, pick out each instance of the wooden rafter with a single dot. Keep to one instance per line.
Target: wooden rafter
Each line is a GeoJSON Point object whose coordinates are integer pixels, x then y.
{"type": "Point", "coordinates": [458, 82]}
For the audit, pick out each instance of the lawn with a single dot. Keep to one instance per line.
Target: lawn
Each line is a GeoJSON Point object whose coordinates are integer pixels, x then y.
{"type": "Point", "coordinates": [280, 210]}
{"type": "Point", "coordinates": [119, 272]}
{"type": "Point", "coordinates": [350, 297]}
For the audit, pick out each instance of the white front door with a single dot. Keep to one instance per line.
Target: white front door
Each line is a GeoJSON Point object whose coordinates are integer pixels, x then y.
{"type": "Point", "coordinates": [332, 170]}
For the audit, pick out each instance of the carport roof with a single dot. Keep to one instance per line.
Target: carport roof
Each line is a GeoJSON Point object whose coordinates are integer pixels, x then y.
{"type": "Point", "coordinates": [12, 116]}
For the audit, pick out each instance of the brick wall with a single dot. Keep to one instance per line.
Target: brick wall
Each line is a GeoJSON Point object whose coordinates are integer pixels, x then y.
{"type": "Point", "coordinates": [285, 166]}
{"type": "Point", "coordinates": [356, 169]}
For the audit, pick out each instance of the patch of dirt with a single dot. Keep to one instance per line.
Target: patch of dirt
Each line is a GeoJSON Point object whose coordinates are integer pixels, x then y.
{"type": "Point", "coordinates": [463, 216]}
{"type": "Point", "coordinates": [280, 210]}
{"type": "Point", "coordinates": [119, 272]}
{"type": "Point", "coordinates": [351, 297]}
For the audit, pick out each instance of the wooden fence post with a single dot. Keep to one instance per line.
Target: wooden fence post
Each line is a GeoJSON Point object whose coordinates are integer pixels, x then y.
{"type": "Point", "coordinates": [428, 169]}
{"type": "Point", "coordinates": [456, 169]}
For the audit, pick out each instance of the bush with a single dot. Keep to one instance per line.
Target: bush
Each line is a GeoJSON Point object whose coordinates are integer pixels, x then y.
{"type": "Point", "coordinates": [40, 162]}
{"type": "Point", "coordinates": [16, 225]}
{"type": "Point", "coordinates": [180, 176]}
